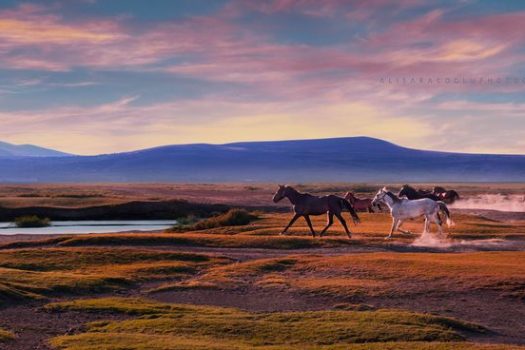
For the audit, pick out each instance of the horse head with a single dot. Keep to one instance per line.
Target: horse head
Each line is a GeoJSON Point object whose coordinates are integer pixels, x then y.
{"type": "Point", "coordinates": [438, 189]}
{"type": "Point", "coordinates": [380, 196]}
{"type": "Point", "coordinates": [280, 194]}
{"type": "Point", "coordinates": [449, 196]}
{"type": "Point", "coordinates": [349, 196]}
{"type": "Point", "coordinates": [406, 191]}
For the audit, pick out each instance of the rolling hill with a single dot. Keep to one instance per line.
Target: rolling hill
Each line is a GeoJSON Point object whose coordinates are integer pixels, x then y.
{"type": "Point", "coordinates": [352, 159]}
{"type": "Point", "coordinates": [10, 150]}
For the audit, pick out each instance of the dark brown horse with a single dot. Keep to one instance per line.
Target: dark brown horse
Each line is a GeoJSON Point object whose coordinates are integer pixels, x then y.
{"type": "Point", "coordinates": [305, 204]}
{"type": "Point", "coordinates": [438, 189]}
{"type": "Point", "coordinates": [447, 196]}
{"type": "Point", "coordinates": [360, 204]}
{"type": "Point", "coordinates": [411, 193]}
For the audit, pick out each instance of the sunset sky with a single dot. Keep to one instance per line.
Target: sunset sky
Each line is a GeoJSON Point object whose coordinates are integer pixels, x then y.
{"type": "Point", "coordinates": [94, 76]}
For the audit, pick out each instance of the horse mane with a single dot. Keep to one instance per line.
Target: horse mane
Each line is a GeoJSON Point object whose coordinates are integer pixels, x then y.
{"type": "Point", "coordinates": [408, 187]}
{"type": "Point", "coordinates": [296, 193]}
{"type": "Point", "coordinates": [393, 196]}
{"type": "Point", "coordinates": [290, 188]}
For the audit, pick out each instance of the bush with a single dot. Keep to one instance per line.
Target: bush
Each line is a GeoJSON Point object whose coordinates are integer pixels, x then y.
{"type": "Point", "coordinates": [32, 221]}
{"type": "Point", "coordinates": [234, 217]}
{"type": "Point", "coordinates": [186, 221]}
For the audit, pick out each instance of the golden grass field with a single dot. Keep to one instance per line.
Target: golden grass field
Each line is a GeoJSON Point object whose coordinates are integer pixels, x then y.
{"type": "Point", "coordinates": [244, 287]}
{"type": "Point", "coordinates": [81, 195]}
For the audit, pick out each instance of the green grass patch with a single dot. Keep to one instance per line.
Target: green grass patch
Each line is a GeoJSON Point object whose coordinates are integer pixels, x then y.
{"type": "Point", "coordinates": [32, 221]}
{"type": "Point", "coordinates": [157, 325]}
{"type": "Point", "coordinates": [206, 240]}
{"type": "Point", "coordinates": [37, 273]}
{"type": "Point", "coordinates": [233, 217]}
{"type": "Point", "coordinates": [370, 274]}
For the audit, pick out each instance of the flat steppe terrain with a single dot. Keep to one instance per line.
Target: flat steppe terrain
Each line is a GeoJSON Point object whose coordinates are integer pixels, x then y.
{"type": "Point", "coordinates": [81, 195]}
{"type": "Point", "coordinates": [245, 286]}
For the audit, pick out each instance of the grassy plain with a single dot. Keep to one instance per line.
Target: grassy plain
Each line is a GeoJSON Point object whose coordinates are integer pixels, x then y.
{"type": "Point", "coordinates": [176, 326]}
{"type": "Point", "coordinates": [257, 194]}
{"type": "Point", "coordinates": [245, 286]}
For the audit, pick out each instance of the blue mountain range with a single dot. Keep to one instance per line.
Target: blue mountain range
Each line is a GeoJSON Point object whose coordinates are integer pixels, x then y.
{"type": "Point", "coordinates": [350, 159]}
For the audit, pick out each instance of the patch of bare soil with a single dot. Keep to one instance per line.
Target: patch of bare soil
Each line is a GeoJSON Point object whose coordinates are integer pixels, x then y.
{"type": "Point", "coordinates": [247, 299]}
{"type": "Point", "coordinates": [4, 239]}
{"type": "Point", "coordinates": [34, 326]}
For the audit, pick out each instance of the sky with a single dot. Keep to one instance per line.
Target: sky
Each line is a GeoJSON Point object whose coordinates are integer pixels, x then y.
{"type": "Point", "coordinates": [94, 76]}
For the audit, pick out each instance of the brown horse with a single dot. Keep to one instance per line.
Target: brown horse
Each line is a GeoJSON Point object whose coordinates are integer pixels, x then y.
{"type": "Point", "coordinates": [438, 194]}
{"type": "Point", "coordinates": [360, 204]}
{"type": "Point", "coordinates": [448, 197]}
{"type": "Point", "coordinates": [411, 193]}
{"type": "Point", "coordinates": [305, 204]}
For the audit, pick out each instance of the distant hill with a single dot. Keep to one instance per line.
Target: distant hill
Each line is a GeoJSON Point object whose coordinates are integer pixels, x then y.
{"type": "Point", "coordinates": [352, 159]}
{"type": "Point", "coordinates": [10, 150]}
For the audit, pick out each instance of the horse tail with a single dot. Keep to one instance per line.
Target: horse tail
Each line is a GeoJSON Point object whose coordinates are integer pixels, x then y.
{"type": "Point", "coordinates": [346, 204]}
{"type": "Point", "coordinates": [443, 208]}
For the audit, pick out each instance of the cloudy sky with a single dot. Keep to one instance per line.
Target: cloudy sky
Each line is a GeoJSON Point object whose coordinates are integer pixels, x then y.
{"type": "Point", "coordinates": [94, 76]}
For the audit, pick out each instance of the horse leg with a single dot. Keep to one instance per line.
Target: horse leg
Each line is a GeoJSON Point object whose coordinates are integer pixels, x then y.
{"type": "Point", "coordinates": [329, 223]}
{"type": "Point", "coordinates": [295, 217]}
{"type": "Point", "coordinates": [439, 223]}
{"type": "Point", "coordinates": [426, 225]}
{"type": "Point", "coordinates": [399, 223]}
{"type": "Point", "coordinates": [394, 225]}
{"type": "Point", "coordinates": [307, 218]}
{"type": "Point", "coordinates": [343, 222]}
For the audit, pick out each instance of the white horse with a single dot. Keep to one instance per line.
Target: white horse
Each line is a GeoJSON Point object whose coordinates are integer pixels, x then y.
{"type": "Point", "coordinates": [403, 208]}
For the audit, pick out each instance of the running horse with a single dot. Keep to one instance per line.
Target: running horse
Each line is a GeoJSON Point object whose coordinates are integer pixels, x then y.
{"type": "Point", "coordinates": [447, 196]}
{"type": "Point", "coordinates": [360, 204]}
{"type": "Point", "coordinates": [411, 193]}
{"type": "Point", "coordinates": [305, 204]}
{"type": "Point", "coordinates": [402, 209]}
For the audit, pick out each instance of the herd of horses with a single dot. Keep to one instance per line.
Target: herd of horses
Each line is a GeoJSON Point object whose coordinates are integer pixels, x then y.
{"type": "Point", "coordinates": [409, 203]}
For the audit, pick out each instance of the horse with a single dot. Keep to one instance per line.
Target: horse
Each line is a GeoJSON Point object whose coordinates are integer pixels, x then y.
{"type": "Point", "coordinates": [305, 204]}
{"type": "Point", "coordinates": [360, 204]}
{"type": "Point", "coordinates": [412, 193]}
{"type": "Point", "coordinates": [447, 196]}
{"type": "Point", "coordinates": [438, 189]}
{"type": "Point", "coordinates": [402, 209]}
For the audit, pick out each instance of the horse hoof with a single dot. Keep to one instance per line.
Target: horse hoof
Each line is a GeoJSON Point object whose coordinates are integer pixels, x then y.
{"type": "Point", "coordinates": [388, 237]}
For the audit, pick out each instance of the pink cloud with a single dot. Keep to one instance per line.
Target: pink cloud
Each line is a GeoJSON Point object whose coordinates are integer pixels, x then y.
{"type": "Point", "coordinates": [216, 48]}
{"type": "Point", "coordinates": [33, 38]}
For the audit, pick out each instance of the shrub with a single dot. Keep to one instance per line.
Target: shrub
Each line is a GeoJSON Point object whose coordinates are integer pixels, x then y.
{"type": "Point", "coordinates": [186, 221]}
{"type": "Point", "coordinates": [234, 217]}
{"type": "Point", "coordinates": [31, 221]}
